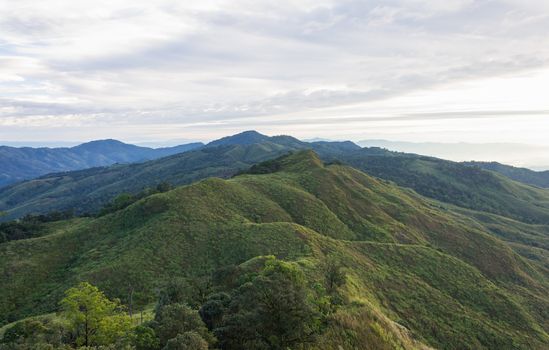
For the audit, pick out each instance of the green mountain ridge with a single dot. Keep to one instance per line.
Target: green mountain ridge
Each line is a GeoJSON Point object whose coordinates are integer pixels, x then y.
{"type": "Point", "coordinates": [23, 163]}
{"type": "Point", "coordinates": [456, 183]}
{"type": "Point", "coordinates": [420, 273]}
{"type": "Point", "coordinates": [524, 175]}
{"type": "Point", "coordinates": [88, 190]}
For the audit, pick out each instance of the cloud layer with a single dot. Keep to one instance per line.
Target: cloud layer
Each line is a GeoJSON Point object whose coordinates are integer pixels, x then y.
{"type": "Point", "coordinates": [143, 70]}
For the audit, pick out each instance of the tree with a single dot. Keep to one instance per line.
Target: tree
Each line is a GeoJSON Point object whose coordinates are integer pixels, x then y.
{"type": "Point", "coordinates": [164, 186]}
{"type": "Point", "coordinates": [189, 291]}
{"type": "Point", "coordinates": [35, 334]}
{"type": "Point", "coordinates": [187, 341]}
{"type": "Point", "coordinates": [214, 308]}
{"type": "Point", "coordinates": [144, 338]}
{"type": "Point", "coordinates": [271, 311]}
{"type": "Point", "coordinates": [175, 292]}
{"type": "Point", "coordinates": [94, 318]}
{"type": "Point", "coordinates": [121, 201]}
{"type": "Point", "coordinates": [333, 274]}
{"type": "Point", "coordinates": [177, 319]}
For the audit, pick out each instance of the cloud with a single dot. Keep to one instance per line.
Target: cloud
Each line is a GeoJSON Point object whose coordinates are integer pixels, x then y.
{"type": "Point", "coordinates": [222, 64]}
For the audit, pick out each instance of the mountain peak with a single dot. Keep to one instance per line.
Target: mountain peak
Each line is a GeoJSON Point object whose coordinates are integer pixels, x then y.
{"type": "Point", "coordinates": [306, 158]}
{"type": "Point", "coordinates": [101, 144]}
{"type": "Point", "coordinates": [292, 162]}
{"type": "Point", "coordinates": [104, 141]}
{"type": "Point", "coordinates": [244, 138]}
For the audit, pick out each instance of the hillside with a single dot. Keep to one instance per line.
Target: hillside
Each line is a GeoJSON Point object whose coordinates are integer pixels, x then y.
{"type": "Point", "coordinates": [88, 190]}
{"type": "Point", "coordinates": [17, 164]}
{"type": "Point", "coordinates": [455, 183]}
{"type": "Point", "coordinates": [418, 274]}
{"type": "Point", "coordinates": [527, 176]}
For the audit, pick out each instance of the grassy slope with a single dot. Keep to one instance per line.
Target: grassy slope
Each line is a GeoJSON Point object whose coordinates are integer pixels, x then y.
{"type": "Point", "coordinates": [524, 175]}
{"type": "Point", "coordinates": [441, 275]}
{"type": "Point", "coordinates": [88, 190]}
{"type": "Point", "coordinates": [455, 183]}
{"type": "Point", "coordinates": [458, 184]}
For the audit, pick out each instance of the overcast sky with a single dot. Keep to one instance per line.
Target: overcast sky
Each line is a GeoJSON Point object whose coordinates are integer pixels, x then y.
{"type": "Point", "coordinates": [142, 71]}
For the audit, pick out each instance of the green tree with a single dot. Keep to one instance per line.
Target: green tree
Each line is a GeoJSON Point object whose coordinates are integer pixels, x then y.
{"type": "Point", "coordinates": [121, 201]}
{"type": "Point", "coordinates": [187, 341]}
{"type": "Point", "coordinates": [35, 334]}
{"type": "Point", "coordinates": [94, 318]}
{"type": "Point", "coordinates": [333, 274]}
{"type": "Point", "coordinates": [164, 186]}
{"type": "Point", "coordinates": [213, 310]}
{"type": "Point", "coordinates": [271, 311]}
{"type": "Point", "coordinates": [177, 319]}
{"type": "Point", "coordinates": [144, 338]}
{"type": "Point", "coordinates": [176, 291]}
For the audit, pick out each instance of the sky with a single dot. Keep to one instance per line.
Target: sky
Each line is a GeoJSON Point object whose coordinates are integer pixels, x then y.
{"type": "Point", "coordinates": [166, 71]}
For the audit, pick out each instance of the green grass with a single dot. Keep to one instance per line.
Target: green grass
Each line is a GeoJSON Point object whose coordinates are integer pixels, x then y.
{"type": "Point", "coordinates": [527, 176]}
{"type": "Point", "coordinates": [419, 273]}
{"type": "Point", "coordinates": [456, 183]}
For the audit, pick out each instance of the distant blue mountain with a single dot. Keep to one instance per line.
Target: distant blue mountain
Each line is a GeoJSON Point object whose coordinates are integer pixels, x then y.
{"type": "Point", "coordinates": [244, 138]}
{"type": "Point", "coordinates": [23, 163]}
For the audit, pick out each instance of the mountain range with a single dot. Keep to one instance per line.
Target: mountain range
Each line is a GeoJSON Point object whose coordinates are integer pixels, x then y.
{"type": "Point", "coordinates": [86, 191]}
{"type": "Point", "coordinates": [436, 253]}
{"type": "Point", "coordinates": [419, 274]}
{"type": "Point", "coordinates": [22, 163]}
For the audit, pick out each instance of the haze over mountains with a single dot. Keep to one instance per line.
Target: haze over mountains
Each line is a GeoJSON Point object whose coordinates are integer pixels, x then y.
{"type": "Point", "coordinates": [534, 157]}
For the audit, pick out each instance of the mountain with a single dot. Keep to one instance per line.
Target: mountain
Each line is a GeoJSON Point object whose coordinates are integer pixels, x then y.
{"type": "Point", "coordinates": [244, 138]}
{"type": "Point", "coordinates": [88, 190]}
{"type": "Point", "coordinates": [455, 183]}
{"type": "Point", "coordinates": [17, 164]}
{"type": "Point", "coordinates": [527, 176]}
{"type": "Point", "coordinates": [418, 275]}
{"type": "Point", "coordinates": [523, 155]}
{"type": "Point", "coordinates": [449, 182]}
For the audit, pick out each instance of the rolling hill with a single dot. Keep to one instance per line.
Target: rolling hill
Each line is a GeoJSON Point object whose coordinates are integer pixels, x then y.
{"type": "Point", "coordinates": [17, 164]}
{"type": "Point", "coordinates": [524, 175]}
{"type": "Point", "coordinates": [418, 275]}
{"type": "Point", "coordinates": [455, 183]}
{"type": "Point", "coordinates": [88, 190]}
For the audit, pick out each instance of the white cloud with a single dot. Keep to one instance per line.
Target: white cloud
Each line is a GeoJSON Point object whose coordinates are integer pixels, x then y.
{"type": "Point", "coordinates": [145, 70]}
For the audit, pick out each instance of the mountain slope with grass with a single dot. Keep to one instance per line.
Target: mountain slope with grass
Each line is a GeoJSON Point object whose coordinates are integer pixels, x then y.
{"type": "Point", "coordinates": [418, 273]}
{"type": "Point", "coordinates": [86, 191]}
{"type": "Point", "coordinates": [455, 183]}
{"type": "Point", "coordinates": [524, 175]}
{"type": "Point", "coordinates": [17, 164]}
